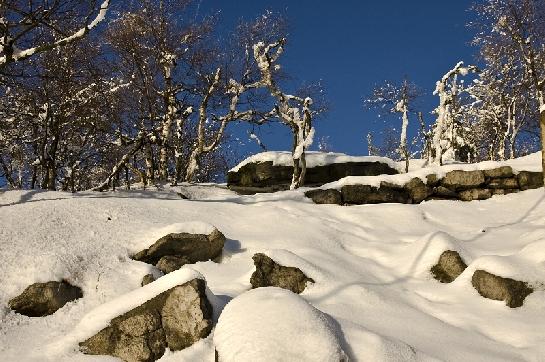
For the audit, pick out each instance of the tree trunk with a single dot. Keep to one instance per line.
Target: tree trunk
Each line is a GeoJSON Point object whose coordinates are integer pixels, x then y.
{"type": "Point", "coordinates": [542, 125]}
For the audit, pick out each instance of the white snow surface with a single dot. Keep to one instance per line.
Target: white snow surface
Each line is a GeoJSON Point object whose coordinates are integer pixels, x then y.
{"type": "Point", "coordinates": [370, 264]}
{"type": "Point", "coordinates": [313, 159]}
{"type": "Point", "coordinates": [278, 324]}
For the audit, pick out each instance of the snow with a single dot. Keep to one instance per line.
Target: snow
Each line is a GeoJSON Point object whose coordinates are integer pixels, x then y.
{"type": "Point", "coordinates": [278, 324]}
{"type": "Point", "coordinates": [370, 264]}
{"type": "Point", "coordinates": [313, 159]}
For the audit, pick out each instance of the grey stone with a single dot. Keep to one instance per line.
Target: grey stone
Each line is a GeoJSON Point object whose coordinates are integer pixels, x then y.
{"type": "Point", "coordinates": [147, 279]}
{"type": "Point", "coordinates": [330, 196]}
{"type": "Point", "coordinates": [266, 177]}
{"type": "Point", "coordinates": [500, 172]}
{"type": "Point", "coordinates": [176, 318]}
{"type": "Point", "coordinates": [365, 194]}
{"type": "Point", "coordinates": [432, 180]}
{"type": "Point", "coordinates": [41, 299]}
{"type": "Point", "coordinates": [503, 183]}
{"type": "Point", "coordinates": [475, 194]}
{"type": "Point", "coordinates": [459, 180]}
{"type": "Point", "coordinates": [530, 180]}
{"type": "Point", "coordinates": [418, 190]}
{"type": "Point", "coordinates": [169, 263]}
{"type": "Point", "coordinates": [449, 267]}
{"type": "Point", "coordinates": [193, 247]}
{"type": "Point", "coordinates": [443, 192]}
{"type": "Point", "coordinates": [491, 286]}
{"type": "Point", "coordinates": [268, 273]}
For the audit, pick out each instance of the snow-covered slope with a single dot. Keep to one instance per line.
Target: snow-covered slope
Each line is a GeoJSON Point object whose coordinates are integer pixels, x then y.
{"type": "Point", "coordinates": [370, 265]}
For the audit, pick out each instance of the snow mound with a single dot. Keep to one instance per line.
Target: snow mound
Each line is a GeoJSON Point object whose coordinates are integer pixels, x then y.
{"type": "Point", "coordinates": [275, 324]}
{"type": "Point", "coordinates": [314, 159]}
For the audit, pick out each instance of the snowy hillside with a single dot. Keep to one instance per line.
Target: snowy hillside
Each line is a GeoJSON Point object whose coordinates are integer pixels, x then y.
{"type": "Point", "coordinates": [370, 265]}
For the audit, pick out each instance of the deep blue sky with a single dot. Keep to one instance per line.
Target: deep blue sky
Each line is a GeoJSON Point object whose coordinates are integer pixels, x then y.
{"type": "Point", "coordinates": [353, 45]}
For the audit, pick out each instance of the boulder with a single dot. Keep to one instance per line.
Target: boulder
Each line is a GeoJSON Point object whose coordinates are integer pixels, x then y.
{"type": "Point", "coordinates": [192, 247]}
{"type": "Point", "coordinates": [418, 190]}
{"type": "Point", "coordinates": [449, 267]}
{"type": "Point", "coordinates": [366, 194]}
{"type": "Point", "coordinates": [503, 183]}
{"type": "Point", "coordinates": [444, 193]}
{"type": "Point", "coordinates": [174, 319]}
{"type": "Point", "coordinates": [475, 194]}
{"type": "Point", "coordinates": [500, 172]}
{"type": "Point", "coordinates": [268, 273]}
{"type": "Point", "coordinates": [432, 180]}
{"type": "Point", "coordinates": [530, 180]}
{"type": "Point", "coordinates": [491, 286]}
{"type": "Point", "coordinates": [169, 263]}
{"type": "Point", "coordinates": [460, 180]}
{"type": "Point", "coordinates": [147, 279]}
{"type": "Point", "coordinates": [41, 299]}
{"type": "Point", "coordinates": [330, 196]}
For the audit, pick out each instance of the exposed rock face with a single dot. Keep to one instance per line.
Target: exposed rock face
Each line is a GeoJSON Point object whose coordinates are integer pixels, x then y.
{"type": "Point", "coordinates": [176, 319]}
{"type": "Point", "coordinates": [169, 263]}
{"type": "Point", "coordinates": [329, 196]}
{"type": "Point", "coordinates": [266, 177]}
{"type": "Point", "coordinates": [449, 267]}
{"type": "Point", "coordinates": [456, 185]}
{"type": "Point", "coordinates": [530, 180]}
{"type": "Point", "coordinates": [365, 194]}
{"type": "Point", "coordinates": [459, 180]}
{"type": "Point", "coordinates": [270, 274]}
{"type": "Point", "coordinates": [191, 247]}
{"type": "Point", "coordinates": [41, 299]}
{"type": "Point", "coordinates": [148, 278]}
{"type": "Point", "coordinates": [418, 190]}
{"type": "Point", "coordinates": [491, 286]}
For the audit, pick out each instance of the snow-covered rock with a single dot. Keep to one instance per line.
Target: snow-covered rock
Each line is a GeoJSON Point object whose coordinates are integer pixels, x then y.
{"type": "Point", "coordinates": [41, 299]}
{"type": "Point", "coordinates": [273, 324]}
{"type": "Point", "coordinates": [269, 273]}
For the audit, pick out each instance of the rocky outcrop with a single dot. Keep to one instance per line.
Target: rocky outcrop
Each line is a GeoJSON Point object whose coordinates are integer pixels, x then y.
{"type": "Point", "coordinates": [325, 196]}
{"type": "Point", "coordinates": [268, 273]}
{"type": "Point", "coordinates": [42, 299]}
{"type": "Point", "coordinates": [267, 177]}
{"type": "Point", "coordinates": [455, 185]}
{"type": "Point", "coordinates": [449, 267]}
{"type": "Point", "coordinates": [491, 286]}
{"type": "Point", "coordinates": [147, 279]}
{"type": "Point", "coordinates": [175, 319]}
{"type": "Point", "coordinates": [174, 250]}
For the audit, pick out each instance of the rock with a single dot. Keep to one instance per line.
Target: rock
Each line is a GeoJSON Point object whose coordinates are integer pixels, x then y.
{"type": "Point", "coordinates": [365, 194]}
{"type": "Point", "coordinates": [459, 180]}
{"type": "Point", "coordinates": [530, 180]}
{"type": "Point", "coordinates": [443, 192]}
{"type": "Point", "coordinates": [503, 183]}
{"type": "Point", "coordinates": [449, 267]}
{"type": "Point", "coordinates": [270, 274]}
{"type": "Point", "coordinates": [41, 299]}
{"type": "Point", "coordinates": [193, 247]}
{"type": "Point", "coordinates": [264, 176]}
{"type": "Point", "coordinates": [169, 263]}
{"type": "Point", "coordinates": [147, 279]}
{"type": "Point", "coordinates": [475, 194]}
{"type": "Point", "coordinates": [174, 319]}
{"type": "Point", "coordinates": [432, 180]}
{"type": "Point", "coordinates": [500, 172]}
{"type": "Point", "coordinates": [491, 286]}
{"type": "Point", "coordinates": [329, 196]}
{"type": "Point", "coordinates": [418, 190]}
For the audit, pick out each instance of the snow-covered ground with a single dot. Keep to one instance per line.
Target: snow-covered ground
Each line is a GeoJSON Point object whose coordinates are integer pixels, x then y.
{"type": "Point", "coordinates": [370, 265]}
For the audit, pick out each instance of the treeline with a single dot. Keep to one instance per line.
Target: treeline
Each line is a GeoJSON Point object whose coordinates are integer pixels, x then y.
{"type": "Point", "coordinates": [94, 96]}
{"type": "Point", "coordinates": [494, 110]}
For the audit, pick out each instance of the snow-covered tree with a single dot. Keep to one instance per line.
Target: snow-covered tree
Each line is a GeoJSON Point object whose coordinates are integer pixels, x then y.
{"type": "Point", "coordinates": [512, 32]}
{"type": "Point", "coordinates": [396, 99]}
{"type": "Point", "coordinates": [448, 137]}
{"type": "Point", "coordinates": [31, 27]}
